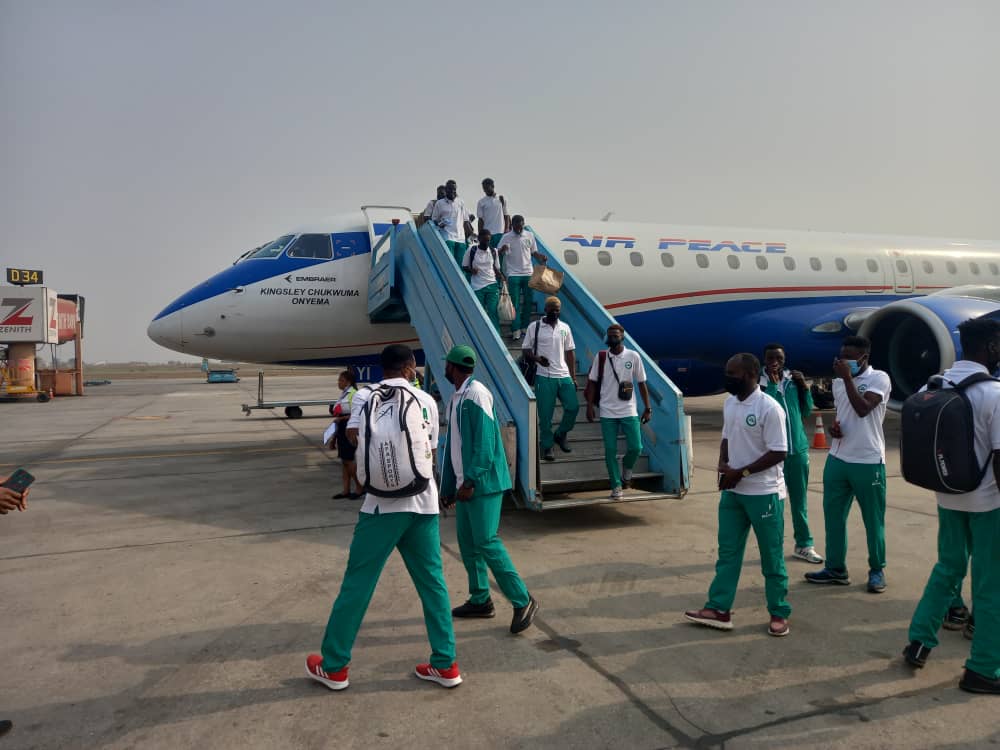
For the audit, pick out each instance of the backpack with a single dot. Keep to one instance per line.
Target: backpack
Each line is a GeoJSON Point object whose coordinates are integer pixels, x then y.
{"type": "Point", "coordinates": [394, 438]}
{"type": "Point", "coordinates": [530, 369]}
{"type": "Point", "coordinates": [592, 389]}
{"type": "Point", "coordinates": [937, 445]}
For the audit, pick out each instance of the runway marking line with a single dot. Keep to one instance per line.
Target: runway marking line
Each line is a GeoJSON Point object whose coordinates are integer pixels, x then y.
{"type": "Point", "coordinates": [188, 454]}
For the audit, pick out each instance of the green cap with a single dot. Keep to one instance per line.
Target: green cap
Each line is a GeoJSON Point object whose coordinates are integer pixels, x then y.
{"type": "Point", "coordinates": [462, 355]}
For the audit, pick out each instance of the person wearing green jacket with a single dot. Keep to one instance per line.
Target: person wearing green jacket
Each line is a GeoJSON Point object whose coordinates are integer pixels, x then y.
{"type": "Point", "coordinates": [475, 473]}
{"type": "Point", "coordinates": [790, 390]}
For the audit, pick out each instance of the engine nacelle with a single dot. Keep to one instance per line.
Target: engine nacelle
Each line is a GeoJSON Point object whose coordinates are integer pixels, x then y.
{"type": "Point", "coordinates": [915, 338]}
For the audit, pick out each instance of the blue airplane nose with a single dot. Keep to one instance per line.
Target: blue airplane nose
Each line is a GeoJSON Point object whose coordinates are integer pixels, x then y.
{"type": "Point", "coordinates": [167, 331]}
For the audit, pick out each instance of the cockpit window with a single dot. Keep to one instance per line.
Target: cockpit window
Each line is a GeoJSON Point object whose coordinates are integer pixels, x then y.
{"type": "Point", "coordinates": [272, 249]}
{"type": "Point", "coordinates": [311, 246]}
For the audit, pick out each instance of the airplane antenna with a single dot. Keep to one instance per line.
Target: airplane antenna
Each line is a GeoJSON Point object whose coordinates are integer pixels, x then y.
{"type": "Point", "coordinates": [607, 216]}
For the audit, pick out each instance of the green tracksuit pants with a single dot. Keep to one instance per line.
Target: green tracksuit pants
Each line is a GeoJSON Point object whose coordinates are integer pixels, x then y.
{"type": "Point", "coordinates": [489, 298]}
{"type": "Point", "coordinates": [797, 482]}
{"type": "Point", "coordinates": [520, 296]}
{"type": "Point", "coordinates": [477, 522]}
{"type": "Point", "coordinates": [547, 390]}
{"type": "Point", "coordinates": [959, 534]}
{"type": "Point", "coordinates": [842, 483]}
{"type": "Point", "coordinates": [633, 445]}
{"type": "Point", "coordinates": [737, 515]}
{"type": "Point", "coordinates": [458, 252]}
{"type": "Point", "coordinates": [417, 537]}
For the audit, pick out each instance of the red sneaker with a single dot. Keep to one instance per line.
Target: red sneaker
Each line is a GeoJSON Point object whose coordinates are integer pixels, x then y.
{"type": "Point", "coordinates": [713, 618]}
{"type": "Point", "coordinates": [448, 678]}
{"type": "Point", "coordinates": [333, 680]}
{"type": "Point", "coordinates": [778, 626]}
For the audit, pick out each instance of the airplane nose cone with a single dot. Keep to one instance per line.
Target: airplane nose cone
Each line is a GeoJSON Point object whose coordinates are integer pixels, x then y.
{"type": "Point", "coordinates": [167, 331]}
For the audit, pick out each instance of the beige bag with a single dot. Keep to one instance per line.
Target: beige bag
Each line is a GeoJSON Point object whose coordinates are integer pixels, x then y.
{"type": "Point", "coordinates": [505, 309]}
{"type": "Point", "coordinates": [545, 280]}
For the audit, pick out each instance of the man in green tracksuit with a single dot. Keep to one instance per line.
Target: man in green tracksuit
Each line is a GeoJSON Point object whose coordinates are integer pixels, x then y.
{"type": "Point", "coordinates": [475, 473]}
{"type": "Point", "coordinates": [790, 390]}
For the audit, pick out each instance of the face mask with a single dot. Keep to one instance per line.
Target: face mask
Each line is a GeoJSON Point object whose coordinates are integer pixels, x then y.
{"type": "Point", "coordinates": [855, 368]}
{"type": "Point", "coordinates": [613, 342]}
{"type": "Point", "coordinates": [449, 377]}
{"type": "Point", "coordinates": [733, 385]}
{"type": "Point", "coordinates": [551, 315]}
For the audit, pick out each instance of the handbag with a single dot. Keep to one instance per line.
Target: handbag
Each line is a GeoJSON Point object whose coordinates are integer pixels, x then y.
{"type": "Point", "coordinates": [530, 369]}
{"type": "Point", "coordinates": [625, 389]}
{"type": "Point", "coordinates": [546, 280]}
{"type": "Point", "coordinates": [505, 308]}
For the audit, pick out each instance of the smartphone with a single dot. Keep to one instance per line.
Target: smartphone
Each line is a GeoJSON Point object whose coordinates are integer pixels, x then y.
{"type": "Point", "coordinates": [19, 481]}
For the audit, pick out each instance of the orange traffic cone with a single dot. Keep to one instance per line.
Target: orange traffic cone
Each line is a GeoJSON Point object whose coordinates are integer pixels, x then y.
{"type": "Point", "coordinates": [819, 437]}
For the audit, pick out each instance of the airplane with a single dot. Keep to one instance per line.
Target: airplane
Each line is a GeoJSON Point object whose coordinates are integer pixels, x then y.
{"type": "Point", "coordinates": [691, 296]}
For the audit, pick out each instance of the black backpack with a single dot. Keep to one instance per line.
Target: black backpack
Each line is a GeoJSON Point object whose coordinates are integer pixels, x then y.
{"type": "Point", "coordinates": [937, 444]}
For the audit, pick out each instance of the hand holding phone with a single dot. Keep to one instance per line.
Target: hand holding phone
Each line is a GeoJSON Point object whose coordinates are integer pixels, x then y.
{"type": "Point", "coordinates": [14, 491]}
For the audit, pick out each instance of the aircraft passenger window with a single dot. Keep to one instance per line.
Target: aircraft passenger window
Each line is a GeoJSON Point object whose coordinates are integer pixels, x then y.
{"type": "Point", "coordinates": [789, 263]}
{"type": "Point", "coordinates": [994, 269]}
{"type": "Point", "coordinates": [733, 261]}
{"type": "Point", "coordinates": [815, 264]}
{"type": "Point", "coordinates": [635, 258]}
{"type": "Point", "coordinates": [841, 264]}
{"type": "Point", "coordinates": [928, 268]}
{"type": "Point", "coordinates": [761, 262]}
{"type": "Point", "coordinates": [872, 265]}
{"type": "Point", "coordinates": [702, 260]}
{"type": "Point", "coordinates": [572, 257]}
{"type": "Point", "coordinates": [974, 267]}
{"type": "Point", "coordinates": [667, 259]}
{"type": "Point", "coordinates": [311, 246]}
{"type": "Point", "coordinates": [901, 266]}
{"type": "Point", "coordinates": [604, 257]}
{"type": "Point", "coordinates": [273, 249]}
{"type": "Point", "coordinates": [950, 265]}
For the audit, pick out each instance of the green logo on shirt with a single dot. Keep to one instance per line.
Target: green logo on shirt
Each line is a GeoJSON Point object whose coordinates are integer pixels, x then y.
{"type": "Point", "coordinates": [751, 420]}
{"type": "Point", "coordinates": [862, 388]}
{"type": "Point", "coordinates": [628, 365]}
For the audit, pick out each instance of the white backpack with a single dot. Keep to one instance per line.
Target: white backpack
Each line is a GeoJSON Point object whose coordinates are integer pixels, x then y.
{"type": "Point", "coordinates": [394, 437]}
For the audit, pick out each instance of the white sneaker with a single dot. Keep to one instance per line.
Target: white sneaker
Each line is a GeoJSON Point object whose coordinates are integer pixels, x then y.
{"type": "Point", "coordinates": [809, 554]}
{"type": "Point", "coordinates": [515, 335]}
{"type": "Point", "coordinates": [616, 493]}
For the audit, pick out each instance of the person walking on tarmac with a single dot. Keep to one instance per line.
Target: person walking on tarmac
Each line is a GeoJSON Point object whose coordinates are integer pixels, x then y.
{"type": "Point", "coordinates": [609, 385]}
{"type": "Point", "coordinates": [555, 376]}
{"type": "Point", "coordinates": [483, 267]}
{"type": "Point", "coordinates": [408, 523]}
{"type": "Point", "coordinates": [790, 390]}
{"type": "Point", "coordinates": [474, 473]}
{"type": "Point", "coordinates": [969, 523]}
{"type": "Point", "coordinates": [855, 467]}
{"type": "Point", "coordinates": [754, 445]}
{"type": "Point", "coordinates": [341, 413]}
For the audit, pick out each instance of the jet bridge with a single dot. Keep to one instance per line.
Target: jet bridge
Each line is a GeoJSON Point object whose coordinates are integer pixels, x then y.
{"type": "Point", "coordinates": [414, 278]}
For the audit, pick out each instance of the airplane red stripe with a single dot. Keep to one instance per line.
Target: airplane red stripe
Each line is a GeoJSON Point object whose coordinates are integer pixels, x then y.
{"type": "Point", "coordinates": [745, 290]}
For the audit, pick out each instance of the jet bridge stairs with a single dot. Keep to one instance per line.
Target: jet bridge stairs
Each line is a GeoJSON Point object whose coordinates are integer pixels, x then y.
{"type": "Point", "coordinates": [414, 278]}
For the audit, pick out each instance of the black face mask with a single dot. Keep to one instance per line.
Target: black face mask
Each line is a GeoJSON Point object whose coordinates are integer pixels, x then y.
{"type": "Point", "coordinates": [613, 343]}
{"type": "Point", "coordinates": [552, 315]}
{"type": "Point", "coordinates": [449, 376]}
{"type": "Point", "coordinates": [733, 385]}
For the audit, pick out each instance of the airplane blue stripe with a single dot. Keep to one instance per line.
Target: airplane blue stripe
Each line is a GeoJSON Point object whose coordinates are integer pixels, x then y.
{"type": "Point", "coordinates": [252, 270]}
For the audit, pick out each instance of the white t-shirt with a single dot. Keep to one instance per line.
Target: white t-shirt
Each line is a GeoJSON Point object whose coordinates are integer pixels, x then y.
{"type": "Point", "coordinates": [553, 343]}
{"type": "Point", "coordinates": [521, 246]}
{"type": "Point", "coordinates": [455, 215]}
{"type": "Point", "coordinates": [628, 366]}
{"type": "Point", "coordinates": [430, 207]}
{"type": "Point", "coordinates": [427, 501]}
{"type": "Point", "coordinates": [482, 261]}
{"type": "Point", "coordinates": [753, 427]}
{"type": "Point", "coordinates": [985, 400]}
{"type": "Point", "coordinates": [864, 438]}
{"type": "Point", "coordinates": [491, 211]}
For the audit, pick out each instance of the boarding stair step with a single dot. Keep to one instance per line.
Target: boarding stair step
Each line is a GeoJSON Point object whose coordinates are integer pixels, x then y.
{"type": "Point", "coordinates": [557, 501]}
{"type": "Point", "coordinates": [647, 480]}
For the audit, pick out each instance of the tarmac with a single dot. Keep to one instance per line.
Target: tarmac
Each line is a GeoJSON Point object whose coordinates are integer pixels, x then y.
{"type": "Point", "coordinates": [177, 562]}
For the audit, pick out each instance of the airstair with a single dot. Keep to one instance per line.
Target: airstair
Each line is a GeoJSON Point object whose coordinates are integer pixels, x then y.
{"type": "Point", "coordinates": [414, 278]}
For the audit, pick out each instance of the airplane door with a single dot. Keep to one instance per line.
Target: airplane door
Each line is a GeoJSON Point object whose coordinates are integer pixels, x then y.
{"type": "Point", "coordinates": [902, 275]}
{"type": "Point", "coordinates": [380, 219]}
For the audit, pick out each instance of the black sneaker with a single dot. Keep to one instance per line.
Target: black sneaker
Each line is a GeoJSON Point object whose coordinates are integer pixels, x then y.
{"type": "Point", "coordinates": [547, 455]}
{"type": "Point", "coordinates": [916, 654]}
{"type": "Point", "coordinates": [475, 610]}
{"type": "Point", "coordinates": [562, 440]}
{"type": "Point", "coordinates": [956, 618]}
{"type": "Point", "coordinates": [523, 616]}
{"type": "Point", "coordinates": [828, 575]}
{"type": "Point", "coordinates": [974, 682]}
{"type": "Point", "coordinates": [969, 631]}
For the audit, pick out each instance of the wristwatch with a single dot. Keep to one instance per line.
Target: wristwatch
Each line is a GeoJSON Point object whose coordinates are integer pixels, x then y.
{"type": "Point", "coordinates": [745, 473]}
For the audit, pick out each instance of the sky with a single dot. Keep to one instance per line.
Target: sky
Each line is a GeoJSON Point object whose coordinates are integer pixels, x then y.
{"type": "Point", "coordinates": [145, 145]}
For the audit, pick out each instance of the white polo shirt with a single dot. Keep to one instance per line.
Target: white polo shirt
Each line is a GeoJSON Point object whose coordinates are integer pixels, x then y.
{"type": "Point", "coordinates": [454, 214]}
{"type": "Point", "coordinates": [430, 207]}
{"type": "Point", "coordinates": [553, 343]}
{"type": "Point", "coordinates": [985, 401]}
{"type": "Point", "coordinates": [483, 261]}
{"type": "Point", "coordinates": [427, 501]}
{"type": "Point", "coordinates": [491, 211]}
{"type": "Point", "coordinates": [864, 438]}
{"type": "Point", "coordinates": [521, 246]}
{"type": "Point", "coordinates": [753, 427]}
{"type": "Point", "coordinates": [628, 367]}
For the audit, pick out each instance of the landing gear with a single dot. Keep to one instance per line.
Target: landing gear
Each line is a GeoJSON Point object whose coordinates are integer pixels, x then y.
{"type": "Point", "coordinates": [293, 412]}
